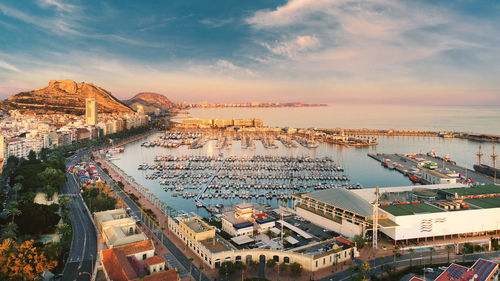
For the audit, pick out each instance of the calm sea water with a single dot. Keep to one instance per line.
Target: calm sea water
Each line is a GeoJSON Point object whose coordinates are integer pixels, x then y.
{"type": "Point", "coordinates": [357, 164]}
{"type": "Point", "coordinates": [478, 119]}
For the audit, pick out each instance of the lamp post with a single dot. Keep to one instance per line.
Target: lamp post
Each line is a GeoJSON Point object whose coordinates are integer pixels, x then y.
{"type": "Point", "coordinates": [84, 272]}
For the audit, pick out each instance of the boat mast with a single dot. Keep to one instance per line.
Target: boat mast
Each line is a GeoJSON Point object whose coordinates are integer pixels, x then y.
{"type": "Point", "coordinates": [479, 155]}
{"type": "Point", "coordinates": [493, 156]}
{"type": "Point", "coordinates": [375, 220]}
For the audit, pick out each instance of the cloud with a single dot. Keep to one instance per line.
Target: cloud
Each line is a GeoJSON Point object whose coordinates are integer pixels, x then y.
{"type": "Point", "coordinates": [214, 23]}
{"type": "Point", "coordinates": [291, 48]}
{"type": "Point", "coordinates": [65, 7]}
{"type": "Point", "coordinates": [8, 66]}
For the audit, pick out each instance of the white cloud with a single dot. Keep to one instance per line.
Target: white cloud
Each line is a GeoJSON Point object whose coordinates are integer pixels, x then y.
{"type": "Point", "coordinates": [8, 66]}
{"type": "Point", "coordinates": [65, 7]}
{"type": "Point", "coordinates": [291, 48]}
{"type": "Point", "coordinates": [214, 23]}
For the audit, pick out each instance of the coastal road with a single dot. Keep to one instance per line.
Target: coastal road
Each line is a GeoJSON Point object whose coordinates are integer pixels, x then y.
{"type": "Point", "coordinates": [84, 246]}
{"type": "Point", "coordinates": [171, 247]}
{"type": "Point", "coordinates": [418, 258]}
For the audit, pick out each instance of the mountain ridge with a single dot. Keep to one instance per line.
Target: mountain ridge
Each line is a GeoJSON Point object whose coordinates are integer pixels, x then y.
{"type": "Point", "coordinates": [64, 96]}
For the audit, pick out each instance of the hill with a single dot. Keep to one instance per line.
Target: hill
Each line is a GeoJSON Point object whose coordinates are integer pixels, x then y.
{"type": "Point", "coordinates": [65, 96]}
{"type": "Point", "coordinates": [150, 101]}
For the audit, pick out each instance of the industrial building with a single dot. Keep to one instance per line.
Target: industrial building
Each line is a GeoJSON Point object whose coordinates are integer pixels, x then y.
{"type": "Point", "coordinates": [407, 214]}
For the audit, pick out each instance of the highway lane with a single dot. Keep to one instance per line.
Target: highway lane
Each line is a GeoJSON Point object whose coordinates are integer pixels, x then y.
{"type": "Point", "coordinates": [84, 246]}
{"type": "Point", "coordinates": [176, 252]}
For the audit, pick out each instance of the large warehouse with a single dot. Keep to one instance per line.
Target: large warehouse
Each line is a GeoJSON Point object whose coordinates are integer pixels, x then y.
{"type": "Point", "coordinates": [406, 213]}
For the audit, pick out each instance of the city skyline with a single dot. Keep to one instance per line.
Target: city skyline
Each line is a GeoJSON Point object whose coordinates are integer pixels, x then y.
{"type": "Point", "coordinates": [306, 51]}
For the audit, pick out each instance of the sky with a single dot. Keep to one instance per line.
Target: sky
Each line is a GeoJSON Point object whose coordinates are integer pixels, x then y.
{"type": "Point", "coordinates": [326, 51]}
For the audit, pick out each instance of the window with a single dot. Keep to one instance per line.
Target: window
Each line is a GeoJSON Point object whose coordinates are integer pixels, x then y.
{"type": "Point", "coordinates": [154, 269]}
{"type": "Point", "coordinates": [324, 261]}
{"type": "Point", "coordinates": [316, 263]}
{"type": "Point", "coordinates": [161, 268]}
{"type": "Point", "coordinates": [276, 258]}
{"type": "Point", "coordinates": [286, 260]}
{"type": "Point", "coordinates": [144, 256]}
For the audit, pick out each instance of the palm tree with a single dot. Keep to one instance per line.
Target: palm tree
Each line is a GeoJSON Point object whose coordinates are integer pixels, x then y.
{"type": "Point", "coordinates": [365, 267]}
{"type": "Point", "coordinates": [13, 211]}
{"type": "Point", "coordinates": [190, 265]}
{"type": "Point", "coordinates": [431, 250]}
{"type": "Point", "coordinates": [351, 270]}
{"type": "Point", "coordinates": [9, 231]}
{"type": "Point", "coordinates": [17, 187]}
{"type": "Point", "coordinates": [448, 249]}
{"type": "Point", "coordinates": [201, 269]}
{"type": "Point", "coordinates": [411, 251]}
{"type": "Point", "coordinates": [394, 253]}
{"type": "Point", "coordinates": [337, 257]}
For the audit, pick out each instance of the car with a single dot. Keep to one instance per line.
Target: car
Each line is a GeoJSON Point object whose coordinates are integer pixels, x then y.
{"type": "Point", "coordinates": [428, 270]}
{"type": "Point", "coordinates": [296, 224]}
{"type": "Point", "coordinates": [74, 196]}
{"type": "Point", "coordinates": [443, 268]}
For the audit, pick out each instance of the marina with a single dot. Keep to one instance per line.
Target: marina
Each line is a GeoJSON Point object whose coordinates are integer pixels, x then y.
{"type": "Point", "coordinates": [178, 174]}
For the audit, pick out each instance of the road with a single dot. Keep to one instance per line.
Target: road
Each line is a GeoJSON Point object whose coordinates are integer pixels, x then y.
{"type": "Point", "coordinates": [404, 260]}
{"type": "Point", "coordinates": [84, 246]}
{"type": "Point", "coordinates": [171, 247]}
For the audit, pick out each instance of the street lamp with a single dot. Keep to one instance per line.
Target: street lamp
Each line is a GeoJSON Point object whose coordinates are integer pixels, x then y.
{"type": "Point", "coordinates": [84, 272]}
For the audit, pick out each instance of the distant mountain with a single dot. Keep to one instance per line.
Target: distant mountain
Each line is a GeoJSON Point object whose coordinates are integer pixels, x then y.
{"type": "Point", "coordinates": [150, 101]}
{"type": "Point", "coordinates": [64, 96]}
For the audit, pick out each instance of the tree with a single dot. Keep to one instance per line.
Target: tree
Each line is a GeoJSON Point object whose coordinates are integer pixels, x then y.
{"type": "Point", "coordinates": [17, 187]}
{"type": "Point", "coordinates": [411, 251]}
{"type": "Point", "coordinates": [283, 267]}
{"type": "Point", "coordinates": [9, 231]}
{"type": "Point", "coordinates": [32, 155]}
{"type": "Point", "coordinates": [254, 265]}
{"type": "Point", "coordinates": [201, 270]}
{"type": "Point", "coordinates": [394, 254]}
{"type": "Point", "coordinates": [51, 179]}
{"type": "Point", "coordinates": [190, 265]}
{"type": "Point", "coordinates": [352, 269]}
{"type": "Point", "coordinates": [271, 263]}
{"type": "Point", "coordinates": [13, 210]}
{"type": "Point", "coordinates": [365, 267]}
{"type": "Point", "coordinates": [65, 231]}
{"type": "Point", "coordinates": [448, 249]}
{"type": "Point", "coordinates": [360, 241]}
{"type": "Point", "coordinates": [296, 269]}
{"type": "Point", "coordinates": [226, 269]}
{"type": "Point", "coordinates": [431, 250]}
{"type": "Point", "coordinates": [24, 261]}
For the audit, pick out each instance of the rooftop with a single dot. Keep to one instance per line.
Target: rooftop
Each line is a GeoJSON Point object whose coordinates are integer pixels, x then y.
{"type": "Point", "coordinates": [215, 246]}
{"type": "Point", "coordinates": [486, 203]}
{"type": "Point", "coordinates": [197, 225]}
{"type": "Point", "coordinates": [482, 268]}
{"type": "Point", "coordinates": [154, 260]}
{"type": "Point", "coordinates": [471, 191]}
{"type": "Point", "coordinates": [135, 248]}
{"type": "Point", "coordinates": [410, 209]}
{"type": "Point", "coordinates": [343, 199]}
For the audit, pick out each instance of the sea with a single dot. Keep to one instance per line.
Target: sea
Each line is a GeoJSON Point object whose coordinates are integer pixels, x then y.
{"type": "Point", "coordinates": [361, 168]}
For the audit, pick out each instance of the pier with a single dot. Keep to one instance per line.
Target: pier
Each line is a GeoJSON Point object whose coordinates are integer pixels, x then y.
{"type": "Point", "coordinates": [417, 164]}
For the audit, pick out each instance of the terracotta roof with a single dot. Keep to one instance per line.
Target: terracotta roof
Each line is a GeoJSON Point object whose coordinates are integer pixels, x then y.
{"type": "Point", "coordinates": [167, 275]}
{"type": "Point", "coordinates": [416, 279]}
{"type": "Point", "coordinates": [117, 265]}
{"type": "Point", "coordinates": [154, 260]}
{"type": "Point", "coordinates": [135, 248]}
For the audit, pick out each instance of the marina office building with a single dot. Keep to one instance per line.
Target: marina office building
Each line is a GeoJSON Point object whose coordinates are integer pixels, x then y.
{"type": "Point", "coordinates": [213, 250]}
{"type": "Point", "coordinates": [407, 214]}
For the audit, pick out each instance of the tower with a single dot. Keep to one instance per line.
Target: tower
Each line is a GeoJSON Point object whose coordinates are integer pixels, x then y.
{"type": "Point", "coordinates": [90, 111]}
{"type": "Point", "coordinates": [375, 220]}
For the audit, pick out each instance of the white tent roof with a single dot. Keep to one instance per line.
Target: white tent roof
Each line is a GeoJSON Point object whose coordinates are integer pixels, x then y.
{"type": "Point", "coordinates": [242, 239]}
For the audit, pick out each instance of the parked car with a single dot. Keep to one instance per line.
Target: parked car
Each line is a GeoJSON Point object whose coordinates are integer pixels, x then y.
{"type": "Point", "coordinates": [428, 270]}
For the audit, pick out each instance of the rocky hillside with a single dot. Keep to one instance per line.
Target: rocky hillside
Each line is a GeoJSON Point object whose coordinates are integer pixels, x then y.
{"type": "Point", "coordinates": [150, 101]}
{"type": "Point", "coordinates": [65, 96]}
